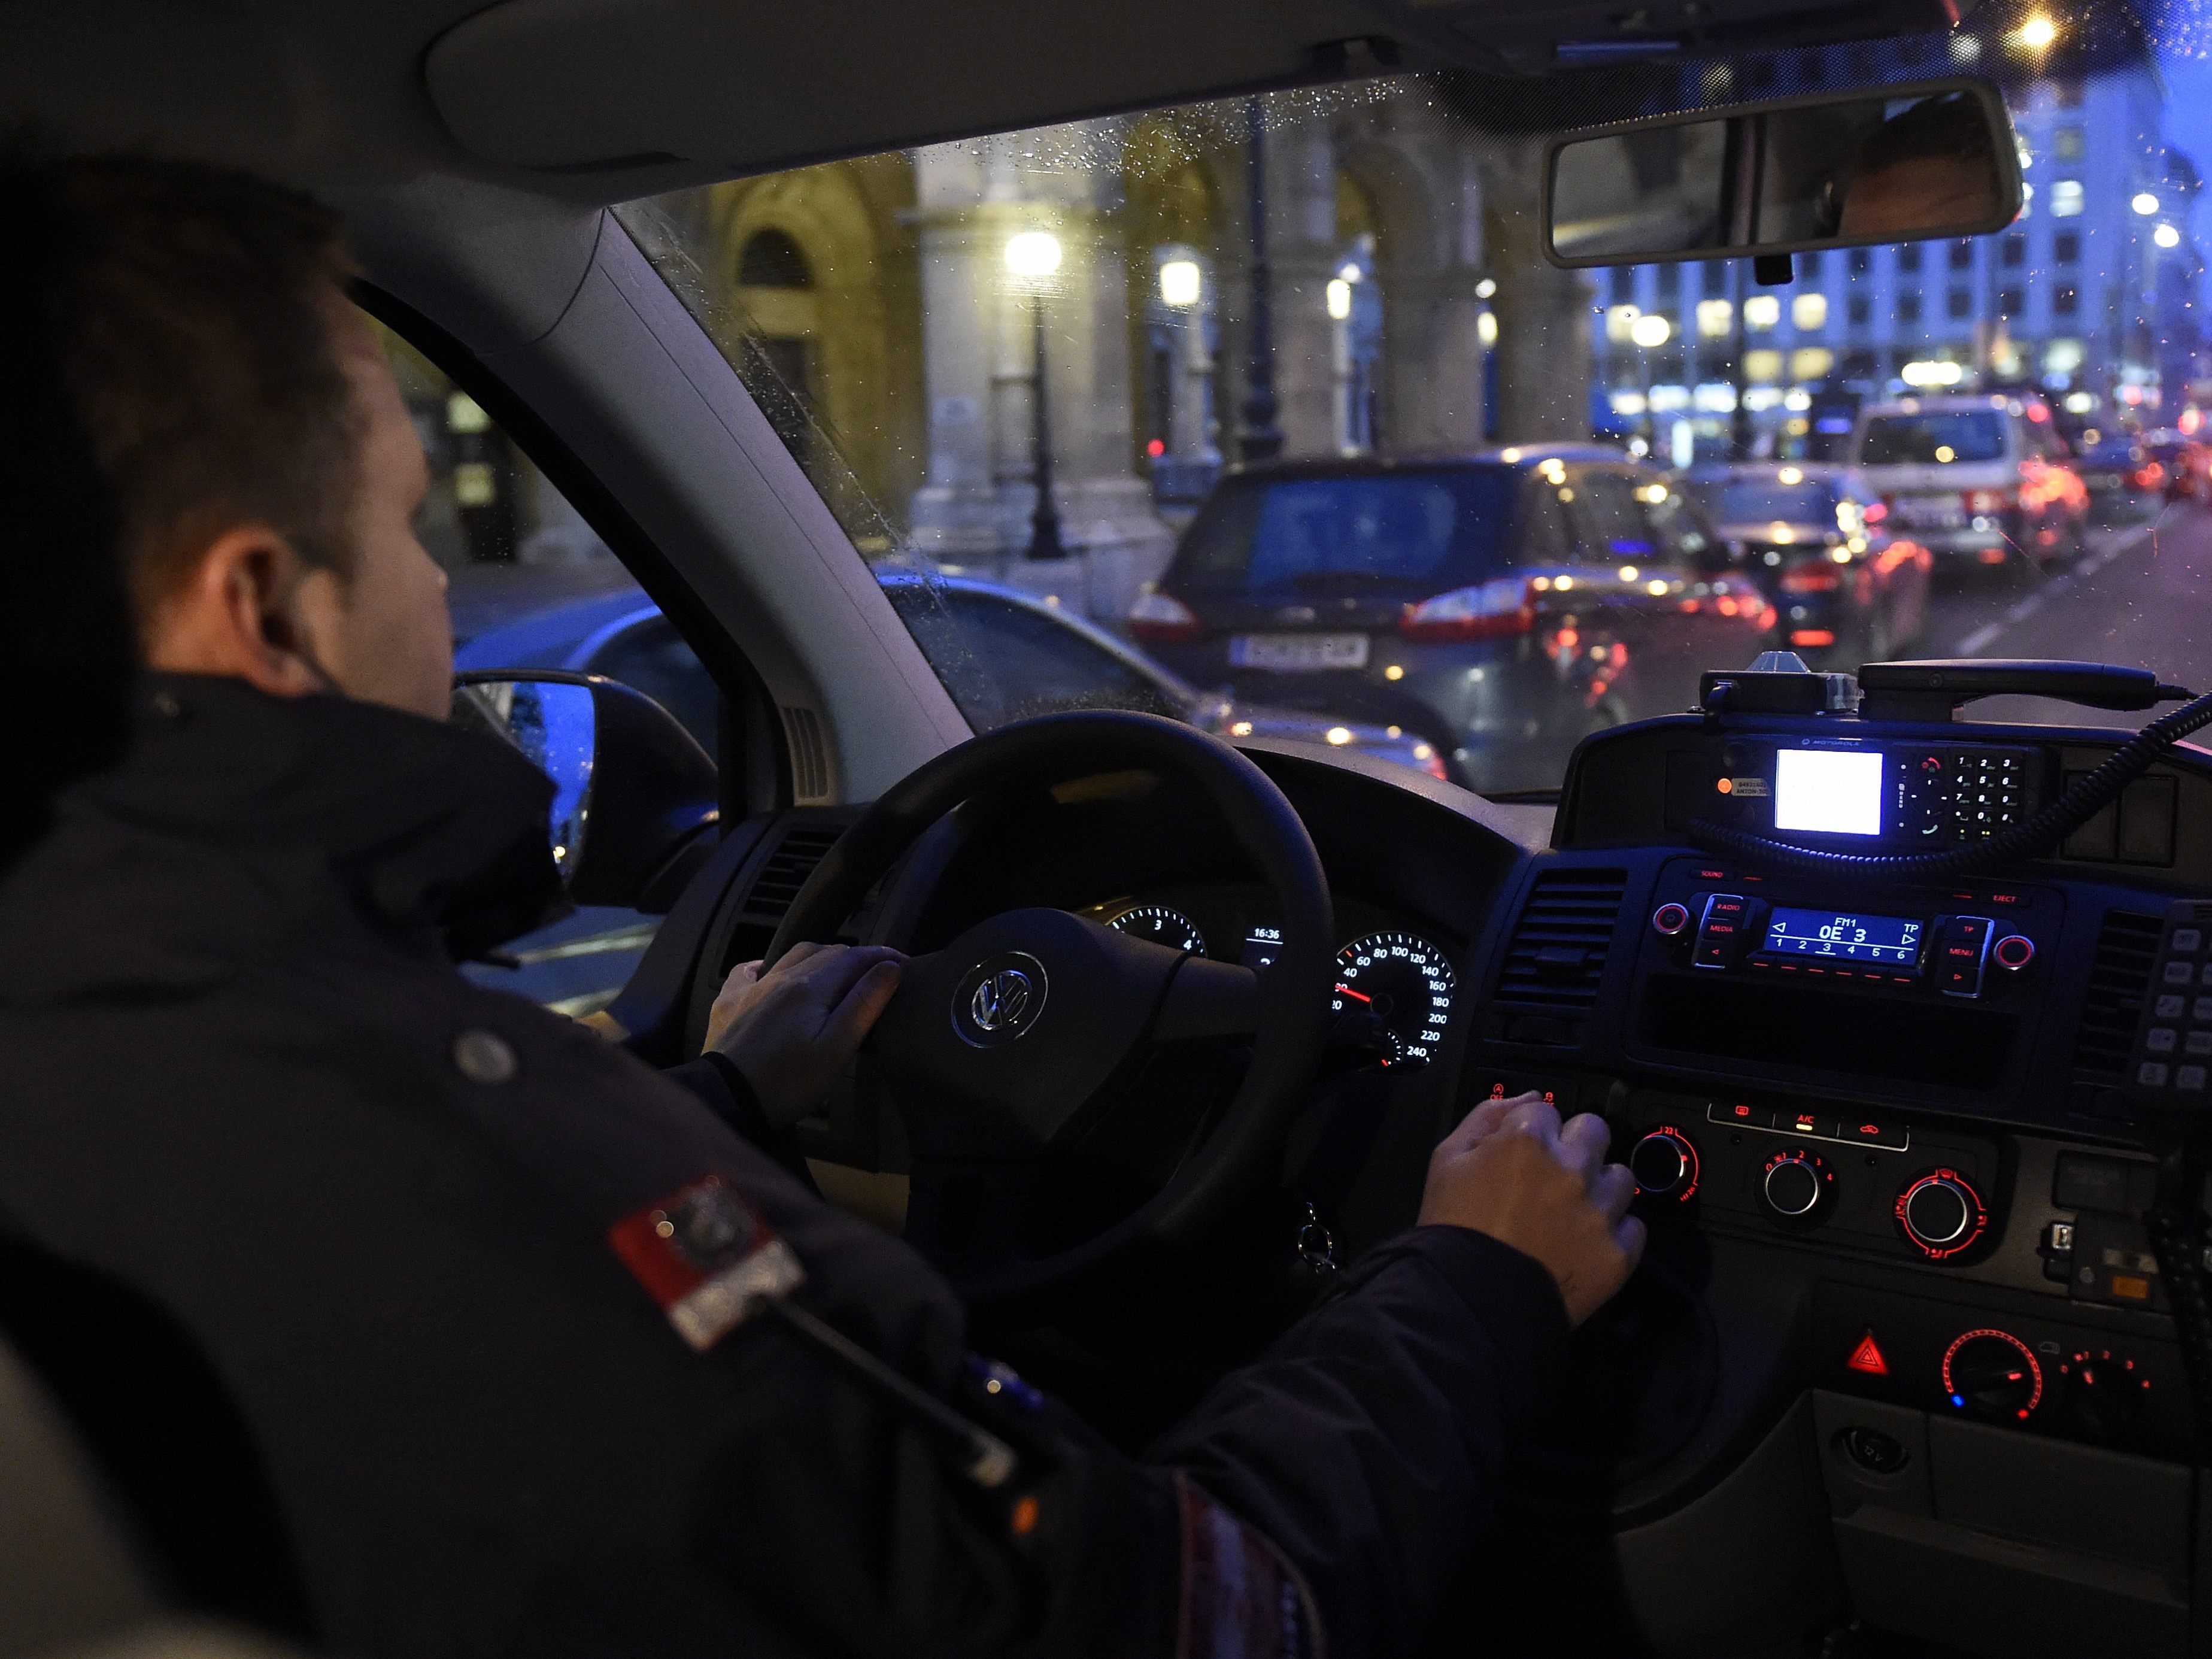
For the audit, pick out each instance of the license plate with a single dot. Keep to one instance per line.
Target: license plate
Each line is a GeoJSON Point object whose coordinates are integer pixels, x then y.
{"type": "Point", "coordinates": [1939, 514]}
{"type": "Point", "coordinates": [1298, 652]}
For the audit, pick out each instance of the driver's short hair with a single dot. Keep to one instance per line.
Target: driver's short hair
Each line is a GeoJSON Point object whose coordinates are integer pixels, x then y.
{"type": "Point", "coordinates": [193, 311]}
{"type": "Point", "coordinates": [170, 369]}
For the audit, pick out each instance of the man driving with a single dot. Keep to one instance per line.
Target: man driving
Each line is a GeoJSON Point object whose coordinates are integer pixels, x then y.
{"type": "Point", "coordinates": [419, 1232]}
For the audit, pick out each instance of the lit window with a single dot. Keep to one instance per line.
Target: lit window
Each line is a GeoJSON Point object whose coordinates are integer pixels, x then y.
{"type": "Point", "coordinates": [1715, 318]}
{"type": "Point", "coordinates": [1762, 365]}
{"type": "Point", "coordinates": [1620, 323]}
{"type": "Point", "coordinates": [1761, 311]}
{"type": "Point", "coordinates": [1809, 311]}
{"type": "Point", "coordinates": [1811, 363]}
{"type": "Point", "coordinates": [2066, 199]}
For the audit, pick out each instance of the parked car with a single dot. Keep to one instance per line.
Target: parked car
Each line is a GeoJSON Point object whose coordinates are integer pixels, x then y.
{"type": "Point", "coordinates": [1817, 539]}
{"type": "Point", "coordinates": [1506, 604]}
{"type": "Point", "coordinates": [1979, 480]}
{"type": "Point", "coordinates": [1003, 655]}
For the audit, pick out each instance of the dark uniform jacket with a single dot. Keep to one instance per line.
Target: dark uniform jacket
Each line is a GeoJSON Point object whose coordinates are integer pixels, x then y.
{"type": "Point", "coordinates": [241, 1081]}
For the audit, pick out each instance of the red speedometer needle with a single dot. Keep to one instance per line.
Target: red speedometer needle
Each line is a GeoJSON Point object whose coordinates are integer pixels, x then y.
{"type": "Point", "coordinates": [1346, 990]}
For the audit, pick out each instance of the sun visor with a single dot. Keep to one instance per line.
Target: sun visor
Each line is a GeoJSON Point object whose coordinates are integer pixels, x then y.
{"type": "Point", "coordinates": [588, 86]}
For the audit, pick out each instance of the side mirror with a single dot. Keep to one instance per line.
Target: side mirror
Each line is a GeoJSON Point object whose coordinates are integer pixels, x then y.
{"type": "Point", "coordinates": [1789, 175]}
{"type": "Point", "coordinates": [634, 797]}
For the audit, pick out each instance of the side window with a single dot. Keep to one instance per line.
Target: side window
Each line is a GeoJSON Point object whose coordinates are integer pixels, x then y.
{"type": "Point", "coordinates": [530, 586]}
{"type": "Point", "coordinates": [1545, 536]}
{"type": "Point", "coordinates": [1608, 521]}
{"type": "Point", "coordinates": [1680, 535]}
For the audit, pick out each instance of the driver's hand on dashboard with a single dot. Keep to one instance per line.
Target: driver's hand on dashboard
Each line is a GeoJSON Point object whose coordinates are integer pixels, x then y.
{"type": "Point", "coordinates": [792, 1030]}
{"type": "Point", "coordinates": [1513, 1170]}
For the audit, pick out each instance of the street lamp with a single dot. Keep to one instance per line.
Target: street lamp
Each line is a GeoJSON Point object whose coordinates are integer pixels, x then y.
{"type": "Point", "coordinates": [1033, 255]}
{"type": "Point", "coordinates": [2145, 204]}
{"type": "Point", "coordinates": [1179, 284]}
{"type": "Point", "coordinates": [2037, 33]}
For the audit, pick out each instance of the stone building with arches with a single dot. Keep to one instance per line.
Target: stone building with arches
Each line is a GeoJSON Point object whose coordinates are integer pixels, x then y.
{"type": "Point", "coordinates": [883, 331]}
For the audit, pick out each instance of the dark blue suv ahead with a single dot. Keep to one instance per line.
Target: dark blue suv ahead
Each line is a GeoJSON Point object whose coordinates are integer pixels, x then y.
{"type": "Point", "coordinates": [1504, 605]}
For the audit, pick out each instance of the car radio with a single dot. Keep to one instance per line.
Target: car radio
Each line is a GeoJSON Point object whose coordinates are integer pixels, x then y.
{"type": "Point", "coordinates": [1845, 792]}
{"type": "Point", "coordinates": [1733, 927]}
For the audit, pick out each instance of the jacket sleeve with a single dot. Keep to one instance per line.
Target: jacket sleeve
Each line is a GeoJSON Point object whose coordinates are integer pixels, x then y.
{"type": "Point", "coordinates": [715, 1079]}
{"type": "Point", "coordinates": [1369, 1446]}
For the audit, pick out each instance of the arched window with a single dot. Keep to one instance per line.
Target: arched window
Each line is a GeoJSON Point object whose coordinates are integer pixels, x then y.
{"type": "Point", "coordinates": [772, 259]}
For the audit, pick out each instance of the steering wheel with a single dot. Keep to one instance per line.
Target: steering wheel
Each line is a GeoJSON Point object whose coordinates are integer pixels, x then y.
{"type": "Point", "coordinates": [1024, 1019]}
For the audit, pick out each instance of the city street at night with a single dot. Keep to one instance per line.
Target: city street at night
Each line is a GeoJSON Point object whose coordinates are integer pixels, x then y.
{"type": "Point", "coordinates": [2140, 594]}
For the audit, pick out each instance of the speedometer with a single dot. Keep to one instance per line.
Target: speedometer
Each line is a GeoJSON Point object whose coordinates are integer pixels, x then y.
{"type": "Point", "coordinates": [1404, 981]}
{"type": "Point", "coordinates": [1161, 925]}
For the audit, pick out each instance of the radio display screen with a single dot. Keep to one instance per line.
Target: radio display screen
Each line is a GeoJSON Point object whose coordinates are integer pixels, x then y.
{"type": "Point", "coordinates": [1835, 791]}
{"type": "Point", "coordinates": [1891, 940]}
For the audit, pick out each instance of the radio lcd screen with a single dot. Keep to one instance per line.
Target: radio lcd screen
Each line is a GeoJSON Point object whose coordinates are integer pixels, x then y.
{"type": "Point", "coordinates": [1891, 940]}
{"type": "Point", "coordinates": [1831, 792]}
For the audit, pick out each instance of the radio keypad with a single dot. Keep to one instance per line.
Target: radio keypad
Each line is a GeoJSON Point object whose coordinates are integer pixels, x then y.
{"type": "Point", "coordinates": [2172, 1058]}
{"type": "Point", "coordinates": [1964, 795]}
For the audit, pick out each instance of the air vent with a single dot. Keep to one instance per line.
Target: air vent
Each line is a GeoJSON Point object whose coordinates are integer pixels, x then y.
{"type": "Point", "coordinates": [810, 757]}
{"type": "Point", "coordinates": [1558, 953]}
{"type": "Point", "coordinates": [787, 870]}
{"type": "Point", "coordinates": [2119, 979]}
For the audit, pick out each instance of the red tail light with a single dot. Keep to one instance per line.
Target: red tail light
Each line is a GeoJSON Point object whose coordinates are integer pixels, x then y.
{"type": "Point", "coordinates": [1494, 610]}
{"type": "Point", "coordinates": [1822, 577]}
{"type": "Point", "coordinates": [1875, 512]}
{"type": "Point", "coordinates": [1812, 636]}
{"type": "Point", "coordinates": [1164, 619]}
{"type": "Point", "coordinates": [1991, 501]}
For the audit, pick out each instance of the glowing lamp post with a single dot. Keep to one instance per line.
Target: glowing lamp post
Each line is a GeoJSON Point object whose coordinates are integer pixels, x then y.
{"type": "Point", "coordinates": [1033, 257]}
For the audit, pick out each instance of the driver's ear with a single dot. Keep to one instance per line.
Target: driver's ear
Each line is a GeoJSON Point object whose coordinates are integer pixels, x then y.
{"type": "Point", "coordinates": [247, 612]}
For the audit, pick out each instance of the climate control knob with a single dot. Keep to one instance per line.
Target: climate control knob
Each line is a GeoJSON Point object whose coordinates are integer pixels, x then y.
{"type": "Point", "coordinates": [1665, 1163]}
{"type": "Point", "coordinates": [1795, 1185]}
{"type": "Point", "coordinates": [2105, 1393]}
{"type": "Point", "coordinates": [1992, 1374]}
{"type": "Point", "coordinates": [1941, 1214]}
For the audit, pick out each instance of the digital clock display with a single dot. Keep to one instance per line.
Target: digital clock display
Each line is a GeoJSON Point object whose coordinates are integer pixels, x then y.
{"type": "Point", "coordinates": [1890, 940]}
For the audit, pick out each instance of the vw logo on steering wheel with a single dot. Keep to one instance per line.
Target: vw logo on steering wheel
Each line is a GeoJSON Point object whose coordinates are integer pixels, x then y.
{"type": "Point", "coordinates": [999, 999]}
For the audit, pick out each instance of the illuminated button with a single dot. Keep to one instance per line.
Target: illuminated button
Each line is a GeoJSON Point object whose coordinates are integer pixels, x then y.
{"type": "Point", "coordinates": [1670, 919]}
{"type": "Point", "coordinates": [1867, 1132]}
{"type": "Point", "coordinates": [1805, 1123]}
{"type": "Point", "coordinates": [1742, 1115]}
{"type": "Point", "coordinates": [2014, 951]}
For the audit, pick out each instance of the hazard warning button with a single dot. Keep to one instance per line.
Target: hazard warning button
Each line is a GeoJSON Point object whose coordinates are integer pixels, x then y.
{"type": "Point", "coordinates": [1866, 1358]}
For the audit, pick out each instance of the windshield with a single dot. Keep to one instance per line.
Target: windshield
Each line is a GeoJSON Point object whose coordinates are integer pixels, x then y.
{"type": "Point", "coordinates": [1750, 501]}
{"type": "Point", "coordinates": [1279, 397]}
{"type": "Point", "coordinates": [1924, 439]}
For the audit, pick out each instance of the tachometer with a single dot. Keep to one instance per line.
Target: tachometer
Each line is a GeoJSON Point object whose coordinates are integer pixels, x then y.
{"type": "Point", "coordinates": [1161, 925]}
{"type": "Point", "coordinates": [1405, 982]}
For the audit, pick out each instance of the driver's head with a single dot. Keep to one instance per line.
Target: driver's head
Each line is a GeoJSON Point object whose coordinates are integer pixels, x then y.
{"type": "Point", "coordinates": [1930, 167]}
{"type": "Point", "coordinates": [208, 467]}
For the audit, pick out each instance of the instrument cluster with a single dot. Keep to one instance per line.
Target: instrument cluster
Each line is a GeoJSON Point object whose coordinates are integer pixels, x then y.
{"type": "Point", "coordinates": [1405, 981]}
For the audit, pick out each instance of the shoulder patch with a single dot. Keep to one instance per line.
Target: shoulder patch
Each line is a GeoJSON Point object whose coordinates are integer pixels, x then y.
{"type": "Point", "coordinates": [708, 1258]}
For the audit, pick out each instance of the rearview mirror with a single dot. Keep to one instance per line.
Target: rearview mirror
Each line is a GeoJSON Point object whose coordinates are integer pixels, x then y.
{"type": "Point", "coordinates": [634, 795]}
{"type": "Point", "coordinates": [1791, 175]}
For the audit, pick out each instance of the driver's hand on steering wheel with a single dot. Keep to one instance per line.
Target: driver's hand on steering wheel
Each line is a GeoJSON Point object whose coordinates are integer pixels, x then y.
{"type": "Point", "coordinates": [793, 1030]}
{"type": "Point", "coordinates": [1513, 1170]}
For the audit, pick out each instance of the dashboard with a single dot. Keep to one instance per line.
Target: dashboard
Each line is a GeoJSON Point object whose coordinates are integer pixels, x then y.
{"type": "Point", "coordinates": [1900, 1337]}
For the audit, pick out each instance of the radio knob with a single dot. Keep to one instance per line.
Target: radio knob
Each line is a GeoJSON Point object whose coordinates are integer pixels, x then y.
{"type": "Point", "coordinates": [1941, 1214]}
{"type": "Point", "coordinates": [1669, 919]}
{"type": "Point", "coordinates": [2013, 952]}
{"type": "Point", "coordinates": [1992, 1374]}
{"type": "Point", "coordinates": [2107, 1394]}
{"type": "Point", "coordinates": [1665, 1163]}
{"type": "Point", "coordinates": [1796, 1184]}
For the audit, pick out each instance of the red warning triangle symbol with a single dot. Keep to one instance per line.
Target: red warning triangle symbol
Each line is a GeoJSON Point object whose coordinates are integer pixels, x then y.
{"type": "Point", "coordinates": [1867, 1358]}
